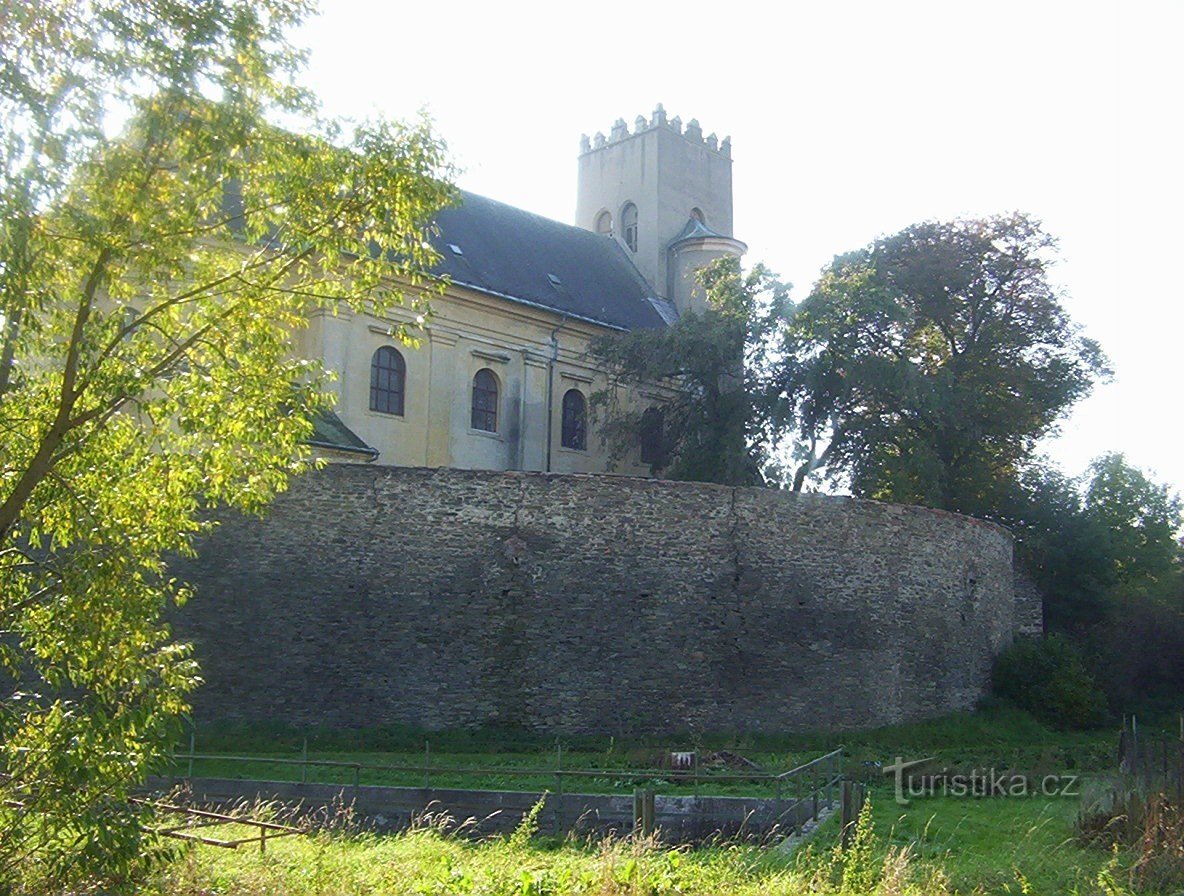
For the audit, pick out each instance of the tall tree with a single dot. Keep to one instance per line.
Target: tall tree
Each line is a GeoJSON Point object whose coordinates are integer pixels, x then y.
{"type": "Point", "coordinates": [150, 286]}
{"type": "Point", "coordinates": [924, 368]}
{"type": "Point", "coordinates": [709, 425]}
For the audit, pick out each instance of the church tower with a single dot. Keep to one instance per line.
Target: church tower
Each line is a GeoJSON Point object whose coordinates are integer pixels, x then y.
{"type": "Point", "coordinates": [664, 192]}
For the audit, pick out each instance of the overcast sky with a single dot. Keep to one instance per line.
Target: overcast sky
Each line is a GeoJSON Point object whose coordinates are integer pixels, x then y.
{"type": "Point", "coordinates": [848, 120]}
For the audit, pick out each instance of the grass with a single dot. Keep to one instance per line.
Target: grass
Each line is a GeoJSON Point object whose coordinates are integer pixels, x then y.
{"type": "Point", "coordinates": [997, 737]}
{"type": "Point", "coordinates": [997, 845]}
{"type": "Point", "coordinates": [505, 771]}
{"type": "Point", "coordinates": [939, 846]}
{"type": "Point", "coordinates": [935, 845]}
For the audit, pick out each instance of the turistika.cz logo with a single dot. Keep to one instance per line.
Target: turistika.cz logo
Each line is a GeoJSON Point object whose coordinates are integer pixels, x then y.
{"type": "Point", "coordinates": [912, 782]}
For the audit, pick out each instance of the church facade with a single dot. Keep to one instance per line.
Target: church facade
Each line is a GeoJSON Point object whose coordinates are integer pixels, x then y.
{"type": "Point", "coordinates": [501, 378]}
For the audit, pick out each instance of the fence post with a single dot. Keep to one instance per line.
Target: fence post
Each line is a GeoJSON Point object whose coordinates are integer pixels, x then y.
{"type": "Point", "coordinates": [192, 743]}
{"type": "Point", "coordinates": [830, 781]}
{"type": "Point", "coordinates": [814, 795]}
{"type": "Point", "coordinates": [304, 762]}
{"type": "Point", "coordinates": [845, 816]}
{"type": "Point", "coordinates": [558, 789]}
{"type": "Point", "coordinates": [643, 811]}
{"type": "Point", "coordinates": [852, 807]}
{"type": "Point", "coordinates": [427, 765]}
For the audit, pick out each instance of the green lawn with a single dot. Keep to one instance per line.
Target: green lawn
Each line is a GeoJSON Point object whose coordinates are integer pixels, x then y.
{"type": "Point", "coordinates": [995, 844]}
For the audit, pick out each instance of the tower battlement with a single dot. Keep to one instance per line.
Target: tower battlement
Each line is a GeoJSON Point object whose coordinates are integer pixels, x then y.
{"type": "Point", "coordinates": [693, 133]}
{"type": "Point", "coordinates": [664, 192]}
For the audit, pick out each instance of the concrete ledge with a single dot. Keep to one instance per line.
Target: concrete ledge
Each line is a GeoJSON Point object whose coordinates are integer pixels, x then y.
{"type": "Point", "coordinates": [483, 812]}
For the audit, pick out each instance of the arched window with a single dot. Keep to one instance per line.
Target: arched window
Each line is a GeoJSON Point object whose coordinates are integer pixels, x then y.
{"type": "Point", "coordinates": [653, 451]}
{"type": "Point", "coordinates": [388, 374]}
{"type": "Point", "coordinates": [697, 214]}
{"type": "Point", "coordinates": [629, 225]}
{"type": "Point", "coordinates": [604, 223]}
{"type": "Point", "coordinates": [575, 420]}
{"type": "Point", "coordinates": [485, 401]}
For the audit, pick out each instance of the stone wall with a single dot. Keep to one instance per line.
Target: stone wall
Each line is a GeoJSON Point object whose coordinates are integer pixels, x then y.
{"type": "Point", "coordinates": [444, 598]}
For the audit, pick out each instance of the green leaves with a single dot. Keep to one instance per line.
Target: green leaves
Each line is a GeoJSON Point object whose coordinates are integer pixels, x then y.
{"type": "Point", "coordinates": [931, 362]}
{"type": "Point", "coordinates": [152, 291]}
{"type": "Point", "coordinates": [709, 366]}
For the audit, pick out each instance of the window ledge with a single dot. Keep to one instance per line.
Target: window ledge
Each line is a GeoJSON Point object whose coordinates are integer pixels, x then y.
{"type": "Point", "coordinates": [485, 433]}
{"type": "Point", "coordinates": [401, 418]}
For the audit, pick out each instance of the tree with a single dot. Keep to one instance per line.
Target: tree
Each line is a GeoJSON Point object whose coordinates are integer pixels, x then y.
{"type": "Point", "coordinates": [925, 368]}
{"type": "Point", "coordinates": [710, 426]}
{"type": "Point", "coordinates": [1064, 549]}
{"type": "Point", "coordinates": [149, 289]}
{"type": "Point", "coordinates": [1142, 520]}
{"type": "Point", "coordinates": [1104, 552]}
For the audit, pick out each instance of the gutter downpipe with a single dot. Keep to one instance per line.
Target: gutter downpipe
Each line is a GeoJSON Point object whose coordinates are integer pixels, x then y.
{"type": "Point", "coordinates": [554, 341]}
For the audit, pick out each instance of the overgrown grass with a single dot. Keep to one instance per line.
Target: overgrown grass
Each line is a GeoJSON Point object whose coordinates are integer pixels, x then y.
{"type": "Point", "coordinates": [427, 861]}
{"type": "Point", "coordinates": [938, 846]}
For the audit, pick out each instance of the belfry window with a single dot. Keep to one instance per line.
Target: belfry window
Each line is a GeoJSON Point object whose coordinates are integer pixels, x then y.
{"type": "Point", "coordinates": [575, 420]}
{"type": "Point", "coordinates": [388, 374]}
{"type": "Point", "coordinates": [629, 226]}
{"type": "Point", "coordinates": [484, 415]}
{"type": "Point", "coordinates": [604, 224]}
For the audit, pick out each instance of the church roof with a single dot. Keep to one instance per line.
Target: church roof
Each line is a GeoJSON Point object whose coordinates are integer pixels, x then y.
{"type": "Point", "coordinates": [329, 431]}
{"type": "Point", "coordinates": [504, 251]}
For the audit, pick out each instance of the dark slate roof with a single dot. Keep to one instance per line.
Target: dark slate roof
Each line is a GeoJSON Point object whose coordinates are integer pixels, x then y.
{"type": "Point", "coordinates": [328, 431]}
{"type": "Point", "coordinates": [518, 255]}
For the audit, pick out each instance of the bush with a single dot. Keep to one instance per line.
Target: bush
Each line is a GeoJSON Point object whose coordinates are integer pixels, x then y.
{"type": "Point", "coordinates": [1048, 678]}
{"type": "Point", "coordinates": [1122, 814]}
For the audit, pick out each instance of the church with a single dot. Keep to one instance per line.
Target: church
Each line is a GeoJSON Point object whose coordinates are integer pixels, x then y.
{"type": "Point", "coordinates": [501, 378]}
{"type": "Point", "coordinates": [431, 589]}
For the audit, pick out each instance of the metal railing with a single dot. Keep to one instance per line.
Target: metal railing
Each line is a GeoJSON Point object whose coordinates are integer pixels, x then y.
{"type": "Point", "coordinates": [823, 772]}
{"type": "Point", "coordinates": [816, 783]}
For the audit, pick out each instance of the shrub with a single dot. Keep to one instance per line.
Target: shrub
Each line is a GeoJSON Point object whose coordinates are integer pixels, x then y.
{"type": "Point", "coordinates": [1147, 824]}
{"type": "Point", "coordinates": [1048, 678]}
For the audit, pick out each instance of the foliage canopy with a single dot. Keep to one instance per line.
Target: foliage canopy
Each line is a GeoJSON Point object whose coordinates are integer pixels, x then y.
{"type": "Point", "coordinates": [712, 360]}
{"type": "Point", "coordinates": [150, 286]}
{"type": "Point", "coordinates": [925, 367]}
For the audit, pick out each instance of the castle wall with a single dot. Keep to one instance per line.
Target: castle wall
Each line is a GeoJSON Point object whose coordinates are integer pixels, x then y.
{"type": "Point", "coordinates": [445, 598]}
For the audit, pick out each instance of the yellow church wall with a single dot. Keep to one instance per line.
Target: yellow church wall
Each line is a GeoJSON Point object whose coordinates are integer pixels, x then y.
{"type": "Point", "coordinates": [468, 331]}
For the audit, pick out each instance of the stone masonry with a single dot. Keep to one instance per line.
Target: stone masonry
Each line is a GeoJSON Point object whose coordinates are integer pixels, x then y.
{"type": "Point", "coordinates": [567, 603]}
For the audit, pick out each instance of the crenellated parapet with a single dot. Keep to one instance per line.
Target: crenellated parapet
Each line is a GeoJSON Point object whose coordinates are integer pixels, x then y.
{"type": "Point", "coordinates": [693, 133]}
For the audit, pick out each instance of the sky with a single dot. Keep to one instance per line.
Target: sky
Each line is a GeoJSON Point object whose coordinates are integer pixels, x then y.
{"type": "Point", "coordinates": [849, 120]}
